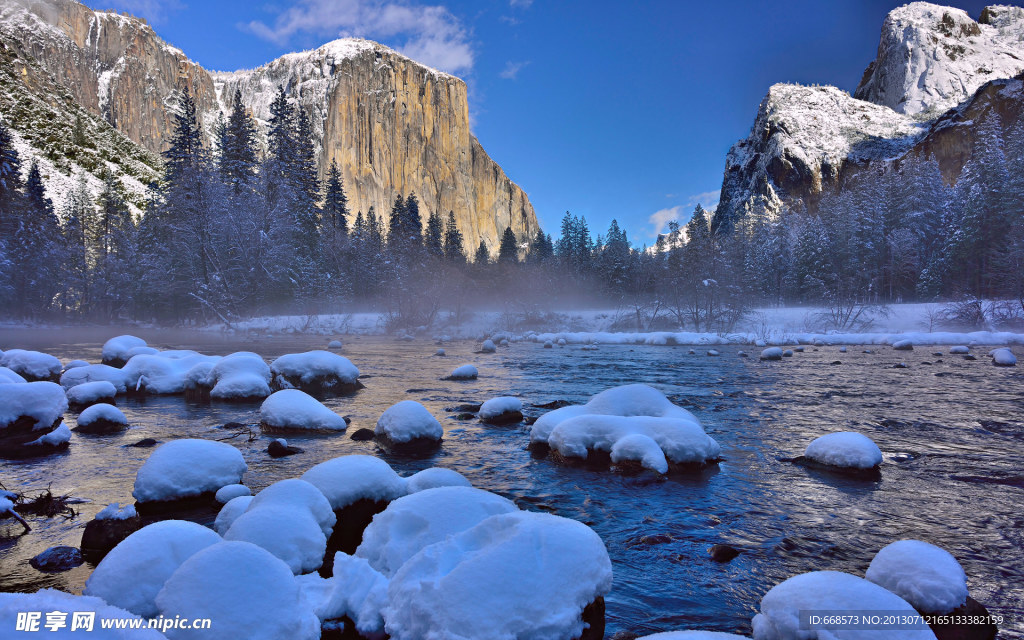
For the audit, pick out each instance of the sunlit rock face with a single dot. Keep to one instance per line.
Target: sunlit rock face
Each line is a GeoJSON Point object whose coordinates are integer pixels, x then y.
{"type": "Point", "coordinates": [393, 125]}
{"type": "Point", "coordinates": [937, 73]}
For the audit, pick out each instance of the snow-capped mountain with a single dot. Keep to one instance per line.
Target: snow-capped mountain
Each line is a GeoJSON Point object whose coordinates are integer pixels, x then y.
{"type": "Point", "coordinates": [932, 58]}
{"type": "Point", "coordinates": [394, 125]}
{"type": "Point", "coordinates": [935, 66]}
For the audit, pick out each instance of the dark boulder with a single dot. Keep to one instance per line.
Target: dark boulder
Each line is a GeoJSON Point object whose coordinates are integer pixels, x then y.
{"type": "Point", "coordinates": [983, 630]}
{"type": "Point", "coordinates": [57, 559]}
{"type": "Point", "coordinates": [352, 520]}
{"type": "Point", "coordinates": [100, 536]}
{"type": "Point", "coordinates": [723, 552]}
{"type": "Point", "coordinates": [362, 435]}
{"type": "Point", "coordinates": [278, 450]}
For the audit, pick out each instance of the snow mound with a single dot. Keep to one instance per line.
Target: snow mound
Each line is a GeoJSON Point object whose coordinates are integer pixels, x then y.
{"type": "Point", "coordinates": [134, 571]}
{"type": "Point", "coordinates": [465, 372]}
{"type": "Point", "coordinates": [230, 512]}
{"type": "Point", "coordinates": [10, 377]}
{"type": "Point", "coordinates": [488, 347]}
{"type": "Point", "coordinates": [162, 373]}
{"type": "Point", "coordinates": [356, 591]}
{"type": "Point", "coordinates": [91, 392]}
{"type": "Point", "coordinates": [681, 441]}
{"type": "Point", "coordinates": [926, 576]}
{"type": "Point", "coordinates": [122, 348]}
{"type": "Point", "coordinates": [43, 402]}
{"type": "Point", "coordinates": [31, 365]}
{"type": "Point", "coordinates": [847, 449]}
{"type": "Point", "coordinates": [334, 344]}
{"type": "Point", "coordinates": [95, 373]}
{"type": "Point", "coordinates": [115, 511]}
{"type": "Point", "coordinates": [779, 618]}
{"type": "Point", "coordinates": [314, 370]}
{"type": "Point", "coordinates": [415, 521]}
{"type": "Point", "coordinates": [238, 376]}
{"type": "Point", "coordinates": [245, 589]}
{"type": "Point", "coordinates": [959, 350]}
{"type": "Point", "coordinates": [501, 406]}
{"type": "Point", "coordinates": [408, 420]}
{"type": "Point", "coordinates": [188, 467]}
{"type": "Point", "coordinates": [346, 479]}
{"type": "Point", "coordinates": [297, 493]}
{"type": "Point", "coordinates": [294, 410]}
{"type": "Point", "coordinates": [514, 575]}
{"type": "Point", "coordinates": [1003, 358]}
{"type": "Point", "coordinates": [637, 447]}
{"type": "Point", "coordinates": [435, 477]}
{"type": "Point", "coordinates": [76, 363]}
{"type": "Point", "coordinates": [101, 415]}
{"type": "Point", "coordinates": [45, 600]}
{"type": "Point", "coordinates": [59, 436]}
{"type": "Point", "coordinates": [228, 493]}
{"type": "Point", "coordinates": [772, 353]}
{"type": "Point", "coordinates": [288, 532]}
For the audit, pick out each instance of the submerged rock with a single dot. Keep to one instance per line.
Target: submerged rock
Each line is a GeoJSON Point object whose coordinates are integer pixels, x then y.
{"type": "Point", "coordinates": [279, 448]}
{"type": "Point", "coordinates": [57, 559]}
{"type": "Point", "coordinates": [723, 552]}
{"type": "Point", "coordinates": [361, 435]}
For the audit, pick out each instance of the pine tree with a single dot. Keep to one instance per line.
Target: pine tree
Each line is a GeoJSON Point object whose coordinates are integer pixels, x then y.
{"type": "Point", "coordinates": [482, 257]}
{"type": "Point", "coordinates": [434, 239]}
{"type": "Point", "coordinates": [237, 160]}
{"type": "Point", "coordinates": [541, 249]}
{"type": "Point", "coordinates": [281, 128]}
{"type": "Point", "coordinates": [10, 182]}
{"type": "Point", "coordinates": [508, 251]}
{"type": "Point", "coordinates": [185, 150]}
{"type": "Point", "coordinates": [453, 249]}
{"type": "Point", "coordinates": [335, 201]}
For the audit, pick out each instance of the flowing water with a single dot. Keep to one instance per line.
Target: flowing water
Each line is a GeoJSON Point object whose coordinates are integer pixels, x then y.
{"type": "Point", "coordinates": [951, 430]}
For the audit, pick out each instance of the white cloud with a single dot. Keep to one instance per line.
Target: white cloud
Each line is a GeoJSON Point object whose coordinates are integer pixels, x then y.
{"type": "Point", "coordinates": [428, 34]}
{"type": "Point", "coordinates": [512, 69]}
{"type": "Point", "coordinates": [660, 219]}
{"type": "Point", "coordinates": [708, 199]}
{"type": "Point", "coordinates": [154, 11]}
{"type": "Point", "coordinates": [520, 4]}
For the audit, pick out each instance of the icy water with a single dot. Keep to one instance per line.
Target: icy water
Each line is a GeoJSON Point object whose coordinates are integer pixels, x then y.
{"type": "Point", "coordinates": [951, 430]}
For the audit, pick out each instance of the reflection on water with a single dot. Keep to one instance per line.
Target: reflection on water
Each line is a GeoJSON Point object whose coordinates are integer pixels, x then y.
{"type": "Point", "coordinates": [951, 431]}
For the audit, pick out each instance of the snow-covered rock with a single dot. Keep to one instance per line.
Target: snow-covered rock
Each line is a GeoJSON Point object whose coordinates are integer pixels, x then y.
{"type": "Point", "coordinates": [435, 477]}
{"type": "Point", "coordinates": [239, 376]}
{"type": "Point", "coordinates": [779, 618]}
{"type": "Point", "coordinates": [932, 58]}
{"type": "Point", "coordinates": [33, 366]}
{"type": "Point", "coordinates": [440, 352]}
{"type": "Point", "coordinates": [356, 590]}
{"type": "Point", "coordinates": [514, 575]}
{"type": "Point", "coordinates": [46, 600]}
{"type": "Point", "coordinates": [408, 421]}
{"type": "Point", "coordinates": [229, 492]}
{"type": "Point", "coordinates": [772, 353]}
{"type": "Point", "coordinates": [844, 449]}
{"type": "Point", "coordinates": [903, 345]}
{"type": "Point", "coordinates": [465, 372]}
{"type": "Point", "coordinates": [230, 512]}
{"type": "Point", "coordinates": [1003, 357]}
{"type": "Point", "coordinates": [76, 363]}
{"type": "Point", "coordinates": [346, 479]}
{"type": "Point", "coordinates": [316, 372]}
{"type": "Point", "coordinates": [10, 377]}
{"type": "Point", "coordinates": [134, 571]}
{"type": "Point", "coordinates": [118, 350]}
{"type": "Point", "coordinates": [115, 511]}
{"type": "Point", "coordinates": [295, 493]}
{"type": "Point", "coordinates": [55, 439]}
{"type": "Point", "coordinates": [680, 441]}
{"type": "Point", "coordinates": [89, 393]}
{"type": "Point", "coordinates": [248, 592]}
{"type": "Point", "coordinates": [488, 347]}
{"type": "Point", "coordinates": [502, 409]}
{"type": "Point", "coordinates": [334, 344]}
{"type": "Point", "coordinates": [162, 373]}
{"type": "Point", "coordinates": [926, 576]}
{"type": "Point", "coordinates": [294, 410]}
{"type": "Point", "coordinates": [186, 468]}
{"type": "Point", "coordinates": [959, 350]}
{"type": "Point", "coordinates": [42, 404]}
{"type": "Point", "coordinates": [101, 418]}
{"type": "Point", "coordinates": [288, 532]}
{"type": "Point", "coordinates": [418, 520]}
{"type": "Point", "coordinates": [95, 373]}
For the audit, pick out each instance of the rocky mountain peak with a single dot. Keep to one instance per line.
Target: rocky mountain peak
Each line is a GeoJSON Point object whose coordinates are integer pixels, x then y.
{"type": "Point", "coordinates": [932, 58]}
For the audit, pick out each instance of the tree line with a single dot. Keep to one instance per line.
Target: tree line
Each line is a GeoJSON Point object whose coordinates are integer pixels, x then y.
{"type": "Point", "coordinates": [248, 228]}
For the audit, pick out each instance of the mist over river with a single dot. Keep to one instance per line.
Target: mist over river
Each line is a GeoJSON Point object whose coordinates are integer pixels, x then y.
{"type": "Point", "coordinates": [951, 432]}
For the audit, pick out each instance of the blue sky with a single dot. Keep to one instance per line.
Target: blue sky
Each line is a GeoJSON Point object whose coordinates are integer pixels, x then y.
{"type": "Point", "coordinates": [608, 109]}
